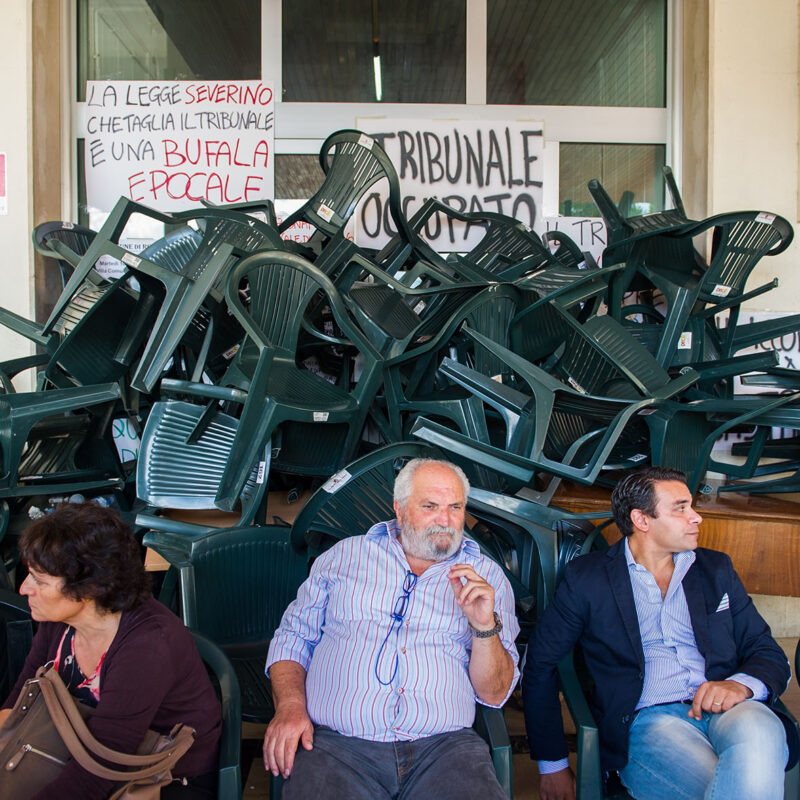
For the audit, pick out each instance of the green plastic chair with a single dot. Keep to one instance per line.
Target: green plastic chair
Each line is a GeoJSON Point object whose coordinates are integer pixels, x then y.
{"type": "Point", "coordinates": [322, 422]}
{"type": "Point", "coordinates": [683, 435]}
{"type": "Point", "coordinates": [568, 427]}
{"type": "Point", "coordinates": [409, 377]}
{"type": "Point", "coordinates": [58, 441]}
{"type": "Point", "coordinates": [507, 250]}
{"type": "Point", "coordinates": [75, 238]}
{"type": "Point", "coordinates": [16, 637]}
{"type": "Point", "coordinates": [227, 236]}
{"type": "Point", "coordinates": [229, 785]}
{"type": "Point", "coordinates": [352, 162]}
{"type": "Point", "coordinates": [741, 239]}
{"type": "Point", "coordinates": [99, 333]}
{"type": "Point", "coordinates": [623, 232]}
{"type": "Point", "coordinates": [178, 471]}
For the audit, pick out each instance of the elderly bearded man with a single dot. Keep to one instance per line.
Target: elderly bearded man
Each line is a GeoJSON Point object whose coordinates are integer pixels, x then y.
{"type": "Point", "coordinates": [377, 664]}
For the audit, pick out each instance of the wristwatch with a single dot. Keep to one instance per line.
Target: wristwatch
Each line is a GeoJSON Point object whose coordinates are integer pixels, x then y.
{"type": "Point", "coordinates": [498, 626]}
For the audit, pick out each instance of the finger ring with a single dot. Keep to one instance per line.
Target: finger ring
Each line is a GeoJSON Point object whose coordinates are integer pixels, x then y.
{"type": "Point", "coordinates": [716, 704]}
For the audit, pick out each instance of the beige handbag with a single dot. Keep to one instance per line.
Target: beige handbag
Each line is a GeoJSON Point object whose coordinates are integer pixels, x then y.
{"type": "Point", "coordinates": [46, 727]}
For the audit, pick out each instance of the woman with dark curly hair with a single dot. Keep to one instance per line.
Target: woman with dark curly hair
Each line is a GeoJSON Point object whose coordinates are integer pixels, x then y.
{"type": "Point", "coordinates": [115, 647]}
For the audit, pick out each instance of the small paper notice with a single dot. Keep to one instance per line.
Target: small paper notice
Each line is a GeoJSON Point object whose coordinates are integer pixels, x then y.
{"type": "Point", "coordinates": [325, 212]}
{"type": "Point", "coordinates": [335, 482]}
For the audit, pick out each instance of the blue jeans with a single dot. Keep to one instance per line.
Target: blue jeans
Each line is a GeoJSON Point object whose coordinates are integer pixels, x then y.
{"type": "Point", "coordinates": [449, 766]}
{"type": "Point", "coordinates": [740, 753]}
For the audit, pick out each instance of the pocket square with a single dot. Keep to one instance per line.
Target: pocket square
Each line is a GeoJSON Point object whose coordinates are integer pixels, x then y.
{"type": "Point", "coordinates": [724, 604]}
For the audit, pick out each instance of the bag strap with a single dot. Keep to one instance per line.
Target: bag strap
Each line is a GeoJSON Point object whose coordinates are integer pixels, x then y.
{"type": "Point", "coordinates": [84, 748]}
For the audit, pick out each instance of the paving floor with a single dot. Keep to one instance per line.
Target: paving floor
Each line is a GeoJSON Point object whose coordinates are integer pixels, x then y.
{"type": "Point", "coordinates": [526, 776]}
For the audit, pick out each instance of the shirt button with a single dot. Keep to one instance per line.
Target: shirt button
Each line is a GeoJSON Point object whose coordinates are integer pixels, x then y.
{"type": "Point", "coordinates": [400, 690]}
{"type": "Point", "coordinates": [403, 650]}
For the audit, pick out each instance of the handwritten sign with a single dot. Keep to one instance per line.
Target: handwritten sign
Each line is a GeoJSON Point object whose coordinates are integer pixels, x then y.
{"type": "Point", "coordinates": [470, 166]}
{"type": "Point", "coordinates": [171, 145]}
{"type": "Point", "coordinates": [126, 440]}
{"type": "Point", "coordinates": [589, 233]}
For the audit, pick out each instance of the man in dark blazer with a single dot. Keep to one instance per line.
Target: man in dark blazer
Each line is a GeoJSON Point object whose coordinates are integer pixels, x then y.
{"type": "Point", "coordinates": [678, 654]}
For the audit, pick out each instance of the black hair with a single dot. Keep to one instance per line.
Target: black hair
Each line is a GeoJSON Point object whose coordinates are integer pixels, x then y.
{"type": "Point", "coordinates": [637, 490]}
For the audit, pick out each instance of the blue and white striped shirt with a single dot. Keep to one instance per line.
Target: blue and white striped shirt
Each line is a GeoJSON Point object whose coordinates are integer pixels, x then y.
{"type": "Point", "coordinates": [335, 628]}
{"type": "Point", "coordinates": [674, 667]}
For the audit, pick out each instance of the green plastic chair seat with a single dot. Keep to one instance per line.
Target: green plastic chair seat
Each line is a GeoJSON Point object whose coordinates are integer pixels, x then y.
{"type": "Point", "coordinates": [177, 470]}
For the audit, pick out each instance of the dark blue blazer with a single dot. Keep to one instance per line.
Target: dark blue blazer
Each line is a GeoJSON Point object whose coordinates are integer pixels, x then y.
{"type": "Point", "coordinates": [594, 606]}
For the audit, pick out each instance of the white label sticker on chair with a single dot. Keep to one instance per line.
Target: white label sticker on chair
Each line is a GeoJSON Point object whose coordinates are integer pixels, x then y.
{"type": "Point", "coordinates": [763, 216]}
{"type": "Point", "coordinates": [335, 482]}
{"type": "Point", "coordinates": [131, 260]}
{"type": "Point", "coordinates": [720, 290]}
{"type": "Point", "coordinates": [229, 354]}
{"type": "Point", "coordinates": [576, 386]}
{"type": "Point", "coordinates": [320, 416]}
{"type": "Point", "coordinates": [262, 468]}
{"type": "Point", "coordinates": [685, 341]}
{"type": "Point", "coordinates": [646, 412]}
{"type": "Point", "coordinates": [366, 141]}
{"type": "Point", "coordinates": [638, 457]}
{"type": "Point", "coordinates": [325, 212]}
{"type": "Point", "coordinates": [498, 378]}
{"type": "Point", "coordinates": [68, 225]}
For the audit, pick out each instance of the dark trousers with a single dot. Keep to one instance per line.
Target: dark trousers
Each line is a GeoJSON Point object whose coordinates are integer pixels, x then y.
{"type": "Point", "coordinates": [450, 765]}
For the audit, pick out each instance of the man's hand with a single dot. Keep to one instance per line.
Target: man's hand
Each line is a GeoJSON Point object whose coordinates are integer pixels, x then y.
{"type": "Point", "coordinates": [475, 596]}
{"type": "Point", "coordinates": [557, 785]}
{"type": "Point", "coordinates": [290, 725]}
{"type": "Point", "coordinates": [718, 696]}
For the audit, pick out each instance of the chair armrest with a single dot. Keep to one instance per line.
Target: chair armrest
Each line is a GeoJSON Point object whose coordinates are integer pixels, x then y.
{"type": "Point", "coordinates": [24, 327]}
{"type": "Point", "coordinates": [175, 386]}
{"type": "Point", "coordinates": [590, 775]}
{"type": "Point", "coordinates": [12, 367]}
{"type": "Point", "coordinates": [490, 725]}
{"type": "Point", "coordinates": [677, 385]}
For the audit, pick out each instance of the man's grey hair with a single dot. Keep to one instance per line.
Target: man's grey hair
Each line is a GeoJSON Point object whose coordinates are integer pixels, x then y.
{"type": "Point", "coordinates": [405, 478]}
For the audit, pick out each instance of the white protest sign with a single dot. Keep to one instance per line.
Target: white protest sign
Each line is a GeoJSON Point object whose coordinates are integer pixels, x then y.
{"type": "Point", "coordinates": [171, 145]}
{"type": "Point", "coordinates": [301, 231]}
{"type": "Point", "coordinates": [112, 268]}
{"type": "Point", "coordinates": [470, 166]}
{"type": "Point", "coordinates": [589, 233]}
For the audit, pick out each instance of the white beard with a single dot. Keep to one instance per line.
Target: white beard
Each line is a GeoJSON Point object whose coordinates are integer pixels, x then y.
{"type": "Point", "coordinates": [429, 544]}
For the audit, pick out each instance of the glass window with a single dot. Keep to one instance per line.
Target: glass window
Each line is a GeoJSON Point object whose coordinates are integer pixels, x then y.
{"type": "Point", "coordinates": [297, 176]}
{"type": "Point", "coordinates": [168, 40]}
{"type": "Point", "coordinates": [630, 173]}
{"type": "Point", "coordinates": [366, 50]}
{"type": "Point", "coordinates": [163, 40]}
{"type": "Point", "coordinates": [576, 52]}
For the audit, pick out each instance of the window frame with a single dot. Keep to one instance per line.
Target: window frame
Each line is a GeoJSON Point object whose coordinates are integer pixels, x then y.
{"type": "Point", "coordinates": [300, 128]}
